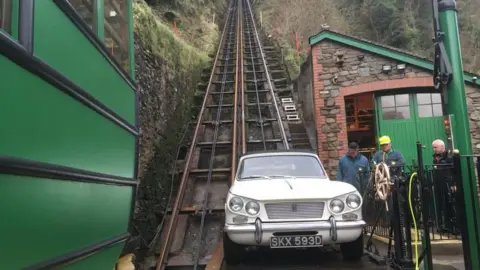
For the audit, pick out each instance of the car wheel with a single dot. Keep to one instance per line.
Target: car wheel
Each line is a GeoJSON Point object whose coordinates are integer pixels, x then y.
{"type": "Point", "coordinates": [232, 252]}
{"type": "Point", "coordinates": [352, 251]}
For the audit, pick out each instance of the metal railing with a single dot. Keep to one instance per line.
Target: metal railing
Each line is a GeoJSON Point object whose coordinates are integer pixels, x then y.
{"type": "Point", "coordinates": [442, 222]}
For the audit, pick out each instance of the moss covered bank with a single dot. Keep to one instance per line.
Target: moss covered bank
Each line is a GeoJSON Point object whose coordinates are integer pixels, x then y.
{"type": "Point", "coordinates": [169, 65]}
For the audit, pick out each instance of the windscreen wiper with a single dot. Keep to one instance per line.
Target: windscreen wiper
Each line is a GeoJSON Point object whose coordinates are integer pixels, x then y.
{"type": "Point", "coordinates": [284, 176]}
{"type": "Point", "coordinates": [255, 176]}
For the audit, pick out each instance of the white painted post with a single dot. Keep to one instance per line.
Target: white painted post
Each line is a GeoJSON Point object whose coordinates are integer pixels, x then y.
{"type": "Point", "coordinates": [261, 20]}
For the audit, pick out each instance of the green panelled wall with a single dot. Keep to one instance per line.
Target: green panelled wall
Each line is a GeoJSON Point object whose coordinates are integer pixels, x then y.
{"type": "Point", "coordinates": [59, 43]}
{"type": "Point", "coordinates": [40, 218]}
{"type": "Point", "coordinates": [43, 218]}
{"type": "Point", "coordinates": [404, 133]}
{"type": "Point", "coordinates": [44, 124]}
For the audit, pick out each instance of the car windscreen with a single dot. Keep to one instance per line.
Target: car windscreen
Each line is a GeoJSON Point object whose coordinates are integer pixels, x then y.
{"type": "Point", "coordinates": [287, 165]}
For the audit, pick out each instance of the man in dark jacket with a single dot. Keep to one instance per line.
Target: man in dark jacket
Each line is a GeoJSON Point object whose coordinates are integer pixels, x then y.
{"type": "Point", "coordinates": [444, 186]}
{"type": "Point", "coordinates": [353, 168]}
{"type": "Point", "coordinates": [441, 155]}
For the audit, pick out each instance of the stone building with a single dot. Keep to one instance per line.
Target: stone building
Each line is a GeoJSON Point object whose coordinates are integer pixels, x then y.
{"type": "Point", "coordinates": [351, 89]}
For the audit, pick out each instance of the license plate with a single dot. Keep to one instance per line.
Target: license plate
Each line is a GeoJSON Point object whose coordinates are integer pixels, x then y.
{"type": "Point", "coordinates": [296, 241]}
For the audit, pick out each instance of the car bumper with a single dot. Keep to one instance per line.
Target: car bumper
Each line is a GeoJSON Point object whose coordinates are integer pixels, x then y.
{"type": "Point", "coordinates": [259, 234]}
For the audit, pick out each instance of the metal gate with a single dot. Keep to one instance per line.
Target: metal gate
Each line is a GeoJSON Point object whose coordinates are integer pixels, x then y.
{"type": "Point", "coordinates": [431, 198]}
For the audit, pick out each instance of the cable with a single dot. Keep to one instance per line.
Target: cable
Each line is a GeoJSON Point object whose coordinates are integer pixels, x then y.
{"type": "Point", "coordinates": [410, 205]}
{"type": "Point", "coordinates": [174, 167]}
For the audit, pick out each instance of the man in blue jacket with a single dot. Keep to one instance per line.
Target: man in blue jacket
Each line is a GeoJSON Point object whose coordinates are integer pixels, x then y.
{"type": "Point", "coordinates": [387, 154]}
{"type": "Point", "coordinates": [353, 168]}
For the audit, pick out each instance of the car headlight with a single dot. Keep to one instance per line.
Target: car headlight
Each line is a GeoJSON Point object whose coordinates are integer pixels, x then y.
{"type": "Point", "coordinates": [252, 208]}
{"type": "Point", "coordinates": [353, 201]}
{"type": "Point", "coordinates": [337, 206]}
{"type": "Point", "coordinates": [236, 204]}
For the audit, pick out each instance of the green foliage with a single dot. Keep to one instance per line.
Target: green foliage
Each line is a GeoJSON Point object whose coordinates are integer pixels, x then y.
{"type": "Point", "coordinates": [404, 24]}
{"type": "Point", "coordinates": [194, 20]}
{"type": "Point", "coordinates": [293, 64]}
{"type": "Point", "coordinates": [399, 23]}
{"type": "Point", "coordinates": [160, 40]}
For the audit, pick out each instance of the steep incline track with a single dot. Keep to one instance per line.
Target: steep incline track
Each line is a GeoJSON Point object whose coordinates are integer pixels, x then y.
{"type": "Point", "coordinates": [239, 114]}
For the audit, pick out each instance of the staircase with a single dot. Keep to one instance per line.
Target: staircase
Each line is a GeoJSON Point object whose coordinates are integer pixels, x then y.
{"type": "Point", "coordinates": [284, 91]}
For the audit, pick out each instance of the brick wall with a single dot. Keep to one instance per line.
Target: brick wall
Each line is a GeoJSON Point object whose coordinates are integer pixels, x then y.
{"type": "Point", "coordinates": [360, 72]}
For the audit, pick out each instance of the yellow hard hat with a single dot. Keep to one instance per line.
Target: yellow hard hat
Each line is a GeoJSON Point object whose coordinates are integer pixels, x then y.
{"type": "Point", "coordinates": [384, 140]}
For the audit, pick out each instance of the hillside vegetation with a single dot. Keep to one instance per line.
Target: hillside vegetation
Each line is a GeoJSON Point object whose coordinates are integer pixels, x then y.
{"type": "Point", "coordinates": [405, 24]}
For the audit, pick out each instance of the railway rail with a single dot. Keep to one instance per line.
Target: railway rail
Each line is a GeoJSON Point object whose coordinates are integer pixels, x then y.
{"type": "Point", "coordinates": [239, 114]}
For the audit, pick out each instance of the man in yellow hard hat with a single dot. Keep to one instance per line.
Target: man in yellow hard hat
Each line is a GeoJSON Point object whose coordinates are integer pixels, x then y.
{"type": "Point", "coordinates": [388, 154]}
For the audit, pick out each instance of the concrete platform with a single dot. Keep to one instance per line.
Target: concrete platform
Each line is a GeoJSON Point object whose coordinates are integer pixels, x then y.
{"type": "Point", "coordinates": [301, 260]}
{"type": "Point", "coordinates": [330, 259]}
{"type": "Point", "coordinates": [445, 257]}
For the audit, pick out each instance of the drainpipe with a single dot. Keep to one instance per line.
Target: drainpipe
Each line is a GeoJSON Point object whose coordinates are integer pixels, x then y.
{"type": "Point", "coordinates": [458, 107]}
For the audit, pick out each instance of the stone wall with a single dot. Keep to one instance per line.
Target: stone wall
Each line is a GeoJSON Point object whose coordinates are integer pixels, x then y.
{"type": "Point", "coordinates": [473, 106]}
{"type": "Point", "coordinates": [360, 72]}
{"type": "Point", "coordinates": [303, 87]}
{"type": "Point", "coordinates": [304, 83]}
{"type": "Point", "coordinates": [152, 107]}
{"type": "Point", "coordinates": [166, 107]}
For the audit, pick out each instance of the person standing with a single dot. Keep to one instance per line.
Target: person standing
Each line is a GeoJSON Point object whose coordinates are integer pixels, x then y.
{"type": "Point", "coordinates": [387, 154]}
{"type": "Point", "coordinates": [440, 153]}
{"type": "Point", "coordinates": [444, 186]}
{"type": "Point", "coordinates": [353, 168]}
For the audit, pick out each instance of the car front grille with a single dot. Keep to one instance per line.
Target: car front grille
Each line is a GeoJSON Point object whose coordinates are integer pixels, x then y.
{"type": "Point", "coordinates": [294, 210]}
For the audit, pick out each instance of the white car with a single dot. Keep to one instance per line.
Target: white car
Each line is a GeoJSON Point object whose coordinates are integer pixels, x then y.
{"type": "Point", "coordinates": [284, 199]}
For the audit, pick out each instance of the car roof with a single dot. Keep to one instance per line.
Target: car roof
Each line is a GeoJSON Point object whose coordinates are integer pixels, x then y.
{"type": "Point", "coordinates": [289, 152]}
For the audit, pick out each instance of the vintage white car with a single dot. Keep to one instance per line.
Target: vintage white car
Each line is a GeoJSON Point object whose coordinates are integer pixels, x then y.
{"type": "Point", "coordinates": [284, 199]}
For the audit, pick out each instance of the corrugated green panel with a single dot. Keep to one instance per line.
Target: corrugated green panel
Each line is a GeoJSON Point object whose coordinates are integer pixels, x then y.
{"type": "Point", "coordinates": [103, 260]}
{"type": "Point", "coordinates": [39, 122]}
{"type": "Point", "coordinates": [44, 218]}
{"type": "Point", "coordinates": [58, 42]}
{"type": "Point", "coordinates": [429, 129]}
{"type": "Point", "coordinates": [403, 136]}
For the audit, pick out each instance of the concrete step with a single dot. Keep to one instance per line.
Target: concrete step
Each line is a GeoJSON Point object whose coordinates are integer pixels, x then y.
{"type": "Point", "coordinates": [302, 143]}
{"type": "Point", "coordinates": [299, 136]}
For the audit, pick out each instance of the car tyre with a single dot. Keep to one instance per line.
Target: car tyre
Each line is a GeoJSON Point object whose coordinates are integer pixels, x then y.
{"type": "Point", "coordinates": [233, 253]}
{"type": "Point", "coordinates": [352, 251]}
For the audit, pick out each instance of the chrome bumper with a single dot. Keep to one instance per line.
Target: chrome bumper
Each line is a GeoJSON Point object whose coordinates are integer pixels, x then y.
{"type": "Point", "coordinates": [269, 227]}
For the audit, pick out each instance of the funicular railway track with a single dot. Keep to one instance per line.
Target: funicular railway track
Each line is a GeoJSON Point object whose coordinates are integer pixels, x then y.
{"type": "Point", "coordinates": [239, 114]}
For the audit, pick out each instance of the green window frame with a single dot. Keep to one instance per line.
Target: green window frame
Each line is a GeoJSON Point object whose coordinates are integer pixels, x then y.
{"type": "Point", "coordinates": [87, 10]}
{"type": "Point", "coordinates": [116, 31]}
{"type": "Point", "coordinates": [103, 18]}
{"type": "Point", "coordinates": [428, 105]}
{"type": "Point", "coordinates": [409, 105]}
{"type": "Point", "coordinates": [9, 17]}
{"type": "Point", "coordinates": [396, 107]}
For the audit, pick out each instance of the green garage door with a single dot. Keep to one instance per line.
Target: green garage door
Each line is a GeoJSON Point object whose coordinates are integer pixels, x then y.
{"type": "Point", "coordinates": [408, 118]}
